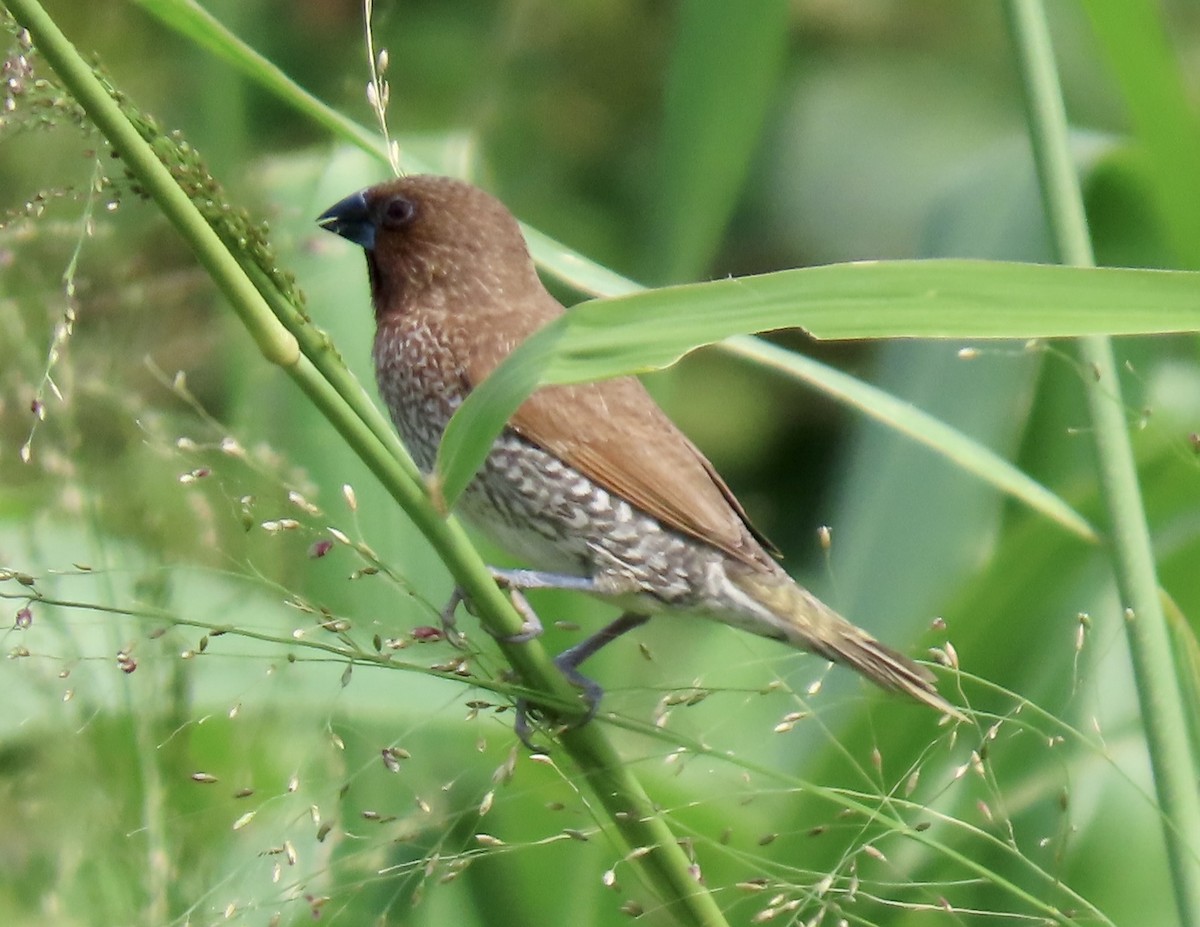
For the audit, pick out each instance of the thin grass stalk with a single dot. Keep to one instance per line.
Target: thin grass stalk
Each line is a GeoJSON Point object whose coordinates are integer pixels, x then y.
{"type": "Point", "coordinates": [632, 817]}
{"type": "Point", "coordinates": [1176, 777]}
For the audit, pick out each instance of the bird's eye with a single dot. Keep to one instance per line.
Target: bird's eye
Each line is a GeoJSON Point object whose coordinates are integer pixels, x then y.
{"type": "Point", "coordinates": [398, 212]}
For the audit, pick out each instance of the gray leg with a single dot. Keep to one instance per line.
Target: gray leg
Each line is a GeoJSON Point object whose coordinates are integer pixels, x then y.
{"type": "Point", "coordinates": [568, 663]}
{"type": "Point", "coordinates": [536, 579]}
{"type": "Point", "coordinates": [515, 581]}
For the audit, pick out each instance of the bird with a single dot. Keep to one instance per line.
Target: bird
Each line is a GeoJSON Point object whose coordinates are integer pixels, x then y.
{"type": "Point", "coordinates": [591, 485]}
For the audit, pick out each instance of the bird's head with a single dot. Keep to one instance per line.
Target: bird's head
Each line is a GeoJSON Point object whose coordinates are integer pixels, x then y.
{"type": "Point", "coordinates": [433, 241]}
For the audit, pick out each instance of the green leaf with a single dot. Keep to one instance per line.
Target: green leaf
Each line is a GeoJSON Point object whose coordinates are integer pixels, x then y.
{"type": "Point", "coordinates": [724, 67]}
{"type": "Point", "coordinates": [572, 268]}
{"type": "Point", "coordinates": [1165, 124]}
{"type": "Point", "coordinates": [884, 299]}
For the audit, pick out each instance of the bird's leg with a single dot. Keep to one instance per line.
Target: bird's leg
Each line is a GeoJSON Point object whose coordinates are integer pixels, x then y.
{"type": "Point", "coordinates": [568, 661]}
{"type": "Point", "coordinates": [450, 622]}
{"type": "Point", "coordinates": [537, 579]}
{"type": "Point", "coordinates": [517, 580]}
{"type": "Point", "coordinates": [568, 664]}
{"type": "Point", "coordinates": [514, 581]}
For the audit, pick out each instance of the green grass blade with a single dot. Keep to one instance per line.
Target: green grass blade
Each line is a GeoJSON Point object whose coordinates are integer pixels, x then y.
{"type": "Point", "coordinates": [1165, 124]}
{"type": "Point", "coordinates": [886, 299]}
{"type": "Point", "coordinates": [197, 25]}
{"type": "Point", "coordinates": [1168, 738]}
{"type": "Point", "coordinates": [630, 810]}
{"type": "Point", "coordinates": [574, 269]}
{"type": "Point", "coordinates": [966, 452]}
{"type": "Point", "coordinates": [725, 64]}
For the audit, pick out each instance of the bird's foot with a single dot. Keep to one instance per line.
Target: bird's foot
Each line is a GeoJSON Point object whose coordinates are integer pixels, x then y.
{"type": "Point", "coordinates": [531, 625]}
{"type": "Point", "coordinates": [450, 620]}
{"type": "Point", "coordinates": [591, 694]}
{"type": "Point", "coordinates": [568, 664]}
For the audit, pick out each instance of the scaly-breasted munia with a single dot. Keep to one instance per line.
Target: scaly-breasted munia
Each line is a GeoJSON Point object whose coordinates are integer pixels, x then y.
{"type": "Point", "coordinates": [592, 485]}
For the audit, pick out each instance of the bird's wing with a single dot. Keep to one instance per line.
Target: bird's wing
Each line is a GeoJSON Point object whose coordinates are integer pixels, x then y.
{"type": "Point", "coordinates": [614, 433]}
{"type": "Point", "coordinates": [617, 436]}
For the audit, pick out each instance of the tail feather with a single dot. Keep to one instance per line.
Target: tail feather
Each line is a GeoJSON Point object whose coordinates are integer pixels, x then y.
{"type": "Point", "coordinates": [884, 667]}
{"type": "Point", "coordinates": [805, 622]}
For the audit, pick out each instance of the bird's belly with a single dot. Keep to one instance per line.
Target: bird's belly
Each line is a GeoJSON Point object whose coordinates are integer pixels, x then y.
{"type": "Point", "coordinates": [537, 508]}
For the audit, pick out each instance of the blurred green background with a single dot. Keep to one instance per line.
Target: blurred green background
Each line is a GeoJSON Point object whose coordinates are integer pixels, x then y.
{"type": "Point", "coordinates": [232, 780]}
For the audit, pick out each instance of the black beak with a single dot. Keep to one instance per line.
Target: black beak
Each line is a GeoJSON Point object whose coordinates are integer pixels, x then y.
{"type": "Point", "coordinates": [350, 218]}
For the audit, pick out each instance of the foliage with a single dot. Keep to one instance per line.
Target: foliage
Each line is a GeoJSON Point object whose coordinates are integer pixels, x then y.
{"type": "Point", "coordinates": [225, 700]}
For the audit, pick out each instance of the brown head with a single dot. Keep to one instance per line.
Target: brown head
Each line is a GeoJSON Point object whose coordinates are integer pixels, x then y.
{"type": "Point", "coordinates": [436, 239]}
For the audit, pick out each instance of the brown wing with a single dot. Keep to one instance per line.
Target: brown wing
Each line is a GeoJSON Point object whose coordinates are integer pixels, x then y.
{"type": "Point", "coordinates": [615, 434]}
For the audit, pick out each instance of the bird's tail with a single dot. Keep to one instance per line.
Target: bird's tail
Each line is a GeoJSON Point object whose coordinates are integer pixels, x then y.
{"type": "Point", "coordinates": [805, 622]}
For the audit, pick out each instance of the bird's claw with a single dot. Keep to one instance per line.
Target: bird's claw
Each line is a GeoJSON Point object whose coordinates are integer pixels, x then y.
{"type": "Point", "coordinates": [591, 694]}
{"type": "Point", "coordinates": [450, 622]}
{"type": "Point", "coordinates": [567, 662]}
{"type": "Point", "coordinates": [531, 625]}
{"type": "Point", "coordinates": [523, 728]}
